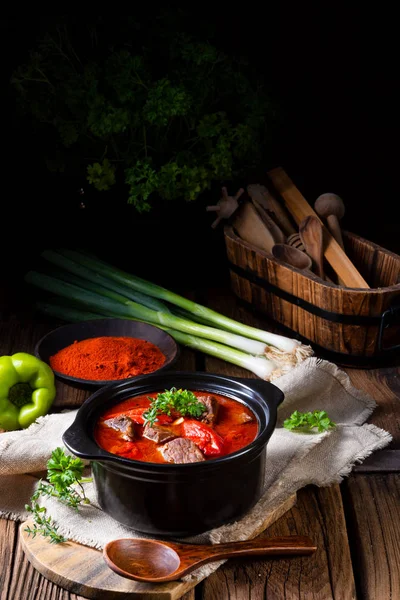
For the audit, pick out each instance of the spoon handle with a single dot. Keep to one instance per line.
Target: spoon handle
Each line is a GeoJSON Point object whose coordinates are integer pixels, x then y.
{"type": "Point", "coordinates": [277, 546]}
{"type": "Point", "coordinates": [311, 234]}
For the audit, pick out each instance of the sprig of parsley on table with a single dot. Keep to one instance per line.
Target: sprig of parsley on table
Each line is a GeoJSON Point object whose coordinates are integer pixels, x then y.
{"type": "Point", "coordinates": [183, 402]}
{"type": "Point", "coordinates": [309, 421]}
{"type": "Point", "coordinates": [64, 476]}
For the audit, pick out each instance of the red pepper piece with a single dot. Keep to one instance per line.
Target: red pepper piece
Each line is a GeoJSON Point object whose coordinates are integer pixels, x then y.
{"type": "Point", "coordinates": [126, 449]}
{"type": "Point", "coordinates": [136, 414]}
{"type": "Point", "coordinates": [209, 442]}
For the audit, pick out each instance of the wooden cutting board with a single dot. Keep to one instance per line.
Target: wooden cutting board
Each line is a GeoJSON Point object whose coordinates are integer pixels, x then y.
{"type": "Point", "coordinates": [82, 570]}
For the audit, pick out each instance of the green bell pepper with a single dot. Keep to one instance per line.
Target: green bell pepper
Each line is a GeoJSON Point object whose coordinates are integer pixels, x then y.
{"type": "Point", "coordinates": [27, 390]}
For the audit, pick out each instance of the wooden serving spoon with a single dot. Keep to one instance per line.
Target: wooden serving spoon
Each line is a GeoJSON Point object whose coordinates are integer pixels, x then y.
{"type": "Point", "coordinates": [292, 256]}
{"type": "Point", "coordinates": [156, 561]}
{"type": "Point", "coordinates": [331, 207]}
{"type": "Point", "coordinates": [311, 234]}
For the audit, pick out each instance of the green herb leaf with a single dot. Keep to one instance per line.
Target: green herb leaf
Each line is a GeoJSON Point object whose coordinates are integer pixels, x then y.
{"type": "Point", "coordinates": [153, 91]}
{"type": "Point", "coordinates": [180, 401]}
{"type": "Point", "coordinates": [102, 176]}
{"type": "Point", "coordinates": [308, 422]}
{"type": "Point", "coordinates": [64, 474]}
{"type": "Point", "coordinates": [63, 470]}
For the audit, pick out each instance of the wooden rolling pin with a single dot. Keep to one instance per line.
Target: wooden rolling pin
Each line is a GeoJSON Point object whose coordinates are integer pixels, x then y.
{"type": "Point", "coordinates": [299, 208]}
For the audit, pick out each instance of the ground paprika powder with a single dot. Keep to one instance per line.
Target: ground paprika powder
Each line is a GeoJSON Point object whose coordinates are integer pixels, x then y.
{"type": "Point", "coordinates": [108, 358]}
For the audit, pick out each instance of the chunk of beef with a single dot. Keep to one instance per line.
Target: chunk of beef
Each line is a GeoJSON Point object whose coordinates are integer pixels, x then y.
{"type": "Point", "coordinates": [212, 407]}
{"type": "Point", "coordinates": [181, 450]}
{"type": "Point", "coordinates": [244, 418]}
{"type": "Point", "coordinates": [158, 433]}
{"type": "Point", "coordinates": [123, 424]}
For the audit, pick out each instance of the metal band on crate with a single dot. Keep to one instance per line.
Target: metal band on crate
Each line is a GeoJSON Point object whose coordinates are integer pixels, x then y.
{"type": "Point", "coordinates": [304, 304]}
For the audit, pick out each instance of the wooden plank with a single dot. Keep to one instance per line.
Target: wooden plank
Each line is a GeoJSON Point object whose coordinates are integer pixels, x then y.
{"type": "Point", "coordinates": [373, 516]}
{"type": "Point", "coordinates": [8, 542]}
{"type": "Point", "coordinates": [384, 386]}
{"type": "Point", "coordinates": [326, 575]}
{"type": "Point", "coordinates": [382, 461]}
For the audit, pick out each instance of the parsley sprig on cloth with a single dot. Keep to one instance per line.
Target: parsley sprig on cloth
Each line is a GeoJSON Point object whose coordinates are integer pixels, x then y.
{"type": "Point", "coordinates": [308, 422]}
{"type": "Point", "coordinates": [64, 475]}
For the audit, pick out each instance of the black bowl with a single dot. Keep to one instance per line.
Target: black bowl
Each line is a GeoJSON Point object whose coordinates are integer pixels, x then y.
{"type": "Point", "coordinates": [177, 500]}
{"type": "Point", "coordinates": [65, 335]}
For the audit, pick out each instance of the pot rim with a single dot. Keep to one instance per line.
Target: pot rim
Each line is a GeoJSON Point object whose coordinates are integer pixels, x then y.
{"type": "Point", "coordinates": [87, 448]}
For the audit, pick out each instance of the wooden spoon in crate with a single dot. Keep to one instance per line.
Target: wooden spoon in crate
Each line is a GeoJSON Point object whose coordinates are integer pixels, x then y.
{"type": "Point", "coordinates": [292, 256]}
{"type": "Point", "coordinates": [299, 208]}
{"type": "Point", "coordinates": [311, 234]}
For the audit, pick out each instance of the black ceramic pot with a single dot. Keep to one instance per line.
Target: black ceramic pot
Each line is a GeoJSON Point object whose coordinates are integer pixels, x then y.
{"type": "Point", "coordinates": [183, 499]}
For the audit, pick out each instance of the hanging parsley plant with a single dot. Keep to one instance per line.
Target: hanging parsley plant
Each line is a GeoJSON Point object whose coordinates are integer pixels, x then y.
{"type": "Point", "coordinates": [163, 111]}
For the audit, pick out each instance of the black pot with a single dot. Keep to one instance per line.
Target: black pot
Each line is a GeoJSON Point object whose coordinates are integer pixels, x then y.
{"type": "Point", "coordinates": [184, 499]}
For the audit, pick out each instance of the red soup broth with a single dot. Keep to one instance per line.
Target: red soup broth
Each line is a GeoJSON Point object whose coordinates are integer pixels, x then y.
{"type": "Point", "coordinates": [234, 433]}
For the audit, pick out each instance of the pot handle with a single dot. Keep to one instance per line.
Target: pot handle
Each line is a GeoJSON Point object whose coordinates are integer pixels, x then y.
{"type": "Point", "coordinates": [263, 387]}
{"type": "Point", "coordinates": [77, 442]}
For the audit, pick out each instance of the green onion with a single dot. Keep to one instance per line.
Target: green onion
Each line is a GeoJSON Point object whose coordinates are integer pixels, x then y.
{"type": "Point", "coordinates": [260, 366]}
{"type": "Point", "coordinates": [117, 304]}
{"type": "Point", "coordinates": [66, 313]}
{"type": "Point", "coordinates": [72, 292]}
{"type": "Point", "coordinates": [105, 282]}
{"type": "Point", "coordinates": [88, 288]}
{"type": "Point", "coordinates": [281, 346]}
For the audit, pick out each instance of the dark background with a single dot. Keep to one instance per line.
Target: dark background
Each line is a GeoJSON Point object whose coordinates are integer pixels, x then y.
{"type": "Point", "coordinates": [334, 72]}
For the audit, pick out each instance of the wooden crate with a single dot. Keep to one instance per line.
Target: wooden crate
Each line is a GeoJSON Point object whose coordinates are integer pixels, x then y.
{"type": "Point", "coordinates": [350, 326]}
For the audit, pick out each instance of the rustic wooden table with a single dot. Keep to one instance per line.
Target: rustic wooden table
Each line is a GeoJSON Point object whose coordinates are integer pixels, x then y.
{"type": "Point", "coordinates": [356, 525]}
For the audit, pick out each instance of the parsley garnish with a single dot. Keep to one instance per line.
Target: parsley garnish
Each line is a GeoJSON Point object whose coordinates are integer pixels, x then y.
{"type": "Point", "coordinates": [180, 401]}
{"type": "Point", "coordinates": [309, 421]}
{"type": "Point", "coordinates": [64, 474]}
